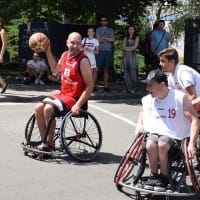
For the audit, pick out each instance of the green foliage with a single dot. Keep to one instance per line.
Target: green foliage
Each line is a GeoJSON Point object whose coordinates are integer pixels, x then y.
{"type": "Point", "coordinates": [75, 11]}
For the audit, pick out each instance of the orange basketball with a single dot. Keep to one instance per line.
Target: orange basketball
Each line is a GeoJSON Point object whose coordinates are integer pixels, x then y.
{"type": "Point", "coordinates": [38, 42]}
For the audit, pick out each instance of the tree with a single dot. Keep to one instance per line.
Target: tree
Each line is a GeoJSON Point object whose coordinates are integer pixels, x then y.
{"type": "Point", "coordinates": [17, 12]}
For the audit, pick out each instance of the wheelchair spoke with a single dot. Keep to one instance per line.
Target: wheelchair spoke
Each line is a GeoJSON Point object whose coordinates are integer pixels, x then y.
{"type": "Point", "coordinates": [81, 136]}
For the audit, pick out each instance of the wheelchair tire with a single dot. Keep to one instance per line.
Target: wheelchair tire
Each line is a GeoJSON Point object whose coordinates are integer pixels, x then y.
{"type": "Point", "coordinates": [31, 131]}
{"type": "Point", "coordinates": [193, 168]}
{"type": "Point", "coordinates": [81, 136]}
{"type": "Point", "coordinates": [32, 134]}
{"type": "Point", "coordinates": [131, 159]}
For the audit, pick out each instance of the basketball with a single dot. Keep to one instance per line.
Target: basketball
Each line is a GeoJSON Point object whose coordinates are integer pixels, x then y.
{"type": "Point", "coordinates": [38, 42]}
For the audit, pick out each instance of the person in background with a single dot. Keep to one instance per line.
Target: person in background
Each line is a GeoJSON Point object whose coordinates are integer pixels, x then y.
{"type": "Point", "coordinates": [36, 68]}
{"type": "Point", "coordinates": [159, 40]}
{"type": "Point", "coordinates": [105, 36]}
{"type": "Point", "coordinates": [167, 117]}
{"type": "Point", "coordinates": [55, 78]}
{"type": "Point", "coordinates": [181, 77]}
{"type": "Point", "coordinates": [91, 47]}
{"type": "Point", "coordinates": [148, 54]}
{"type": "Point", "coordinates": [129, 60]}
{"type": "Point", "coordinates": [3, 43]}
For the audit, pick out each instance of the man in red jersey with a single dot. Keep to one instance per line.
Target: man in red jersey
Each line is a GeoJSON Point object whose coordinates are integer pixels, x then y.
{"type": "Point", "coordinates": [76, 86]}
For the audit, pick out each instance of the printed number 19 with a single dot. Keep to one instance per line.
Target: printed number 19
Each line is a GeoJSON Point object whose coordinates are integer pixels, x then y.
{"type": "Point", "coordinates": [172, 113]}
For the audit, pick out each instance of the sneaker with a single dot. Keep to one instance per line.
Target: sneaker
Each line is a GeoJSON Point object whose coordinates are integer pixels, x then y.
{"type": "Point", "coordinates": [106, 89]}
{"type": "Point", "coordinates": [151, 182]}
{"type": "Point", "coordinates": [36, 82]}
{"type": "Point", "coordinates": [132, 91]}
{"type": "Point", "coordinates": [163, 184]}
{"type": "Point", "coordinates": [45, 147]}
{"type": "Point", "coordinates": [95, 89]}
{"type": "Point", "coordinates": [5, 88]}
{"type": "Point", "coordinates": [41, 82]}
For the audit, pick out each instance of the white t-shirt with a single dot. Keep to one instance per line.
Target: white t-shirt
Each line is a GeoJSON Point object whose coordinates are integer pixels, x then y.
{"type": "Point", "coordinates": [166, 116]}
{"type": "Point", "coordinates": [38, 64]}
{"type": "Point", "coordinates": [183, 77]}
{"type": "Point", "coordinates": [91, 44]}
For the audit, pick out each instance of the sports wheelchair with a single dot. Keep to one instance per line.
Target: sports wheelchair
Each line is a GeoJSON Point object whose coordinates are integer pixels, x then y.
{"type": "Point", "coordinates": [184, 172]}
{"type": "Point", "coordinates": [78, 136]}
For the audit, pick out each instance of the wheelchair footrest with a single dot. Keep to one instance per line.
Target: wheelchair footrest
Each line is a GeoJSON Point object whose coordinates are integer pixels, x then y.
{"type": "Point", "coordinates": [58, 152]}
{"type": "Point", "coordinates": [139, 188]}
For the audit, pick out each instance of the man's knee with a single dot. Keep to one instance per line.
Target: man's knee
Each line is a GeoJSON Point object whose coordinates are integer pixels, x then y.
{"type": "Point", "coordinates": [39, 107]}
{"type": "Point", "coordinates": [48, 110]}
{"type": "Point", "coordinates": [151, 145]}
{"type": "Point", "coordinates": [163, 146]}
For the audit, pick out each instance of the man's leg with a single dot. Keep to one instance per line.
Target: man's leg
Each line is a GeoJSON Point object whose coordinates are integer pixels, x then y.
{"type": "Point", "coordinates": [42, 113]}
{"type": "Point", "coordinates": [106, 77]}
{"type": "Point", "coordinates": [163, 157]}
{"type": "Point", "coordinates": [152, 151]}
{"type": "Point", "coordinates": [43, 70]}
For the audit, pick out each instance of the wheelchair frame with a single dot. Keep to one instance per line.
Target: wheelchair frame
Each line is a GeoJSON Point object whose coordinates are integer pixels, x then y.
{"type": "Point", "coordinates": [78, 136]}
{"type": "Point", "coordinates": [131, 173]}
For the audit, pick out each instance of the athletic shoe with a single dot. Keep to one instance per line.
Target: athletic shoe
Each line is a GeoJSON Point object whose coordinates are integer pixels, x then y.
{"type": "Point", "coordinates": [151, 182]}
{"type": "Point", "coordinates": [106, 89]}
{"type": "Point", "coordinates": [41, 82]}
{"type": "Point", "coordinates": [5, 88]}
{"type": "Point", "coordinates": [163, 184]}
{"type": "Point", "coordinates": [36, 82]}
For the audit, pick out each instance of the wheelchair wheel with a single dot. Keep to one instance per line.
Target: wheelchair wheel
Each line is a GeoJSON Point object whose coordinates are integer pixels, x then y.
{"type": "Point", "coordinates": [81, 136]}
{"type": "Point", "coordinates": [193, 167]}
{"type": "Point", "coordinates": [32, 135]}
{"type": "Point", "coordinates": [135, 158]}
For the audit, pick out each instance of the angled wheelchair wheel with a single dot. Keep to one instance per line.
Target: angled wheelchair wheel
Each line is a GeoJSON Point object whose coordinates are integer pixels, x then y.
{"type": "Point", "coordinates": [193, 167]}
{"type": "Point", "coordinates": [32, 136]}
{"type": "Point", "coordinates": [132, 165]}
{"type": "Point", "coordinates": [81, 136]}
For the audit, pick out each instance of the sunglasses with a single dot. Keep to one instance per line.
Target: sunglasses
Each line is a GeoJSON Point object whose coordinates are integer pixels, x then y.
{"type": "Point", "coordinates": [103, 20]}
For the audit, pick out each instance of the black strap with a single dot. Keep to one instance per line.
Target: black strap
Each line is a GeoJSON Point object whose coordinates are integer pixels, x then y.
{"type": "Point", "coordinates": [159, 41]}
{"type": "Point", "coordinates": [84, 42]}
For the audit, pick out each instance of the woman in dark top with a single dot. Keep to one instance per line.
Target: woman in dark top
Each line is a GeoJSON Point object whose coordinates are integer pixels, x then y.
{"type": "Point", "coordinates": [3, 42]}
{"type": "Point", "coordinates": [129, 46]}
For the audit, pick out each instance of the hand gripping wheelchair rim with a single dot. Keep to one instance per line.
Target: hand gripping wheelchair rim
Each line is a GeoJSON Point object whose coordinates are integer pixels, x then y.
{"type": "Point", "coordinates": [64, 149]}
{"type": "Point", "coordinates": [135, 156]}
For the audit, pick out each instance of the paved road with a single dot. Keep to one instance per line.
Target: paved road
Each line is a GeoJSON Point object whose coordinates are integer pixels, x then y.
{"type": "Point", "coordinates": [24, 178]}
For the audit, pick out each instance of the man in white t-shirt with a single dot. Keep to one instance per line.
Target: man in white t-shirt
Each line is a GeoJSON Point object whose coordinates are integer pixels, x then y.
{"type": "Point", "coordinates": [167, 116]}
{"type": "Point", "coordinates": [91, 47]}
{"type": "Point", "coordinates": [181, 77]}
{"type": "Point", "coordinates": [36, 68]}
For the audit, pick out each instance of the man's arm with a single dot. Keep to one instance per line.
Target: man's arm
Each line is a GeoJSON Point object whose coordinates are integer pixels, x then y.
{"type": "Point", "coordinates": [191, 92]}
{"type": "Point", "coordinates": [139, 129]}
{"type": "Point", "coordinates": [191, 115]}
{"type": "Point", "coordinates": [86, 73]}
{"type": "Point", "coordinates": [4, 44]}
{"type": "Point", "coordinates": [55, 67]}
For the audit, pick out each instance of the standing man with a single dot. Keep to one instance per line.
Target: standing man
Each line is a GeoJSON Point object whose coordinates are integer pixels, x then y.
{"type": "Point", "coordinates": [159, 40]}
{"type": "Point", "coordinates": [181, 77]}
{"type": "Point", "coordinates": [105, 36]}
{"type": "Point", "coordinates": [76, 86]}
